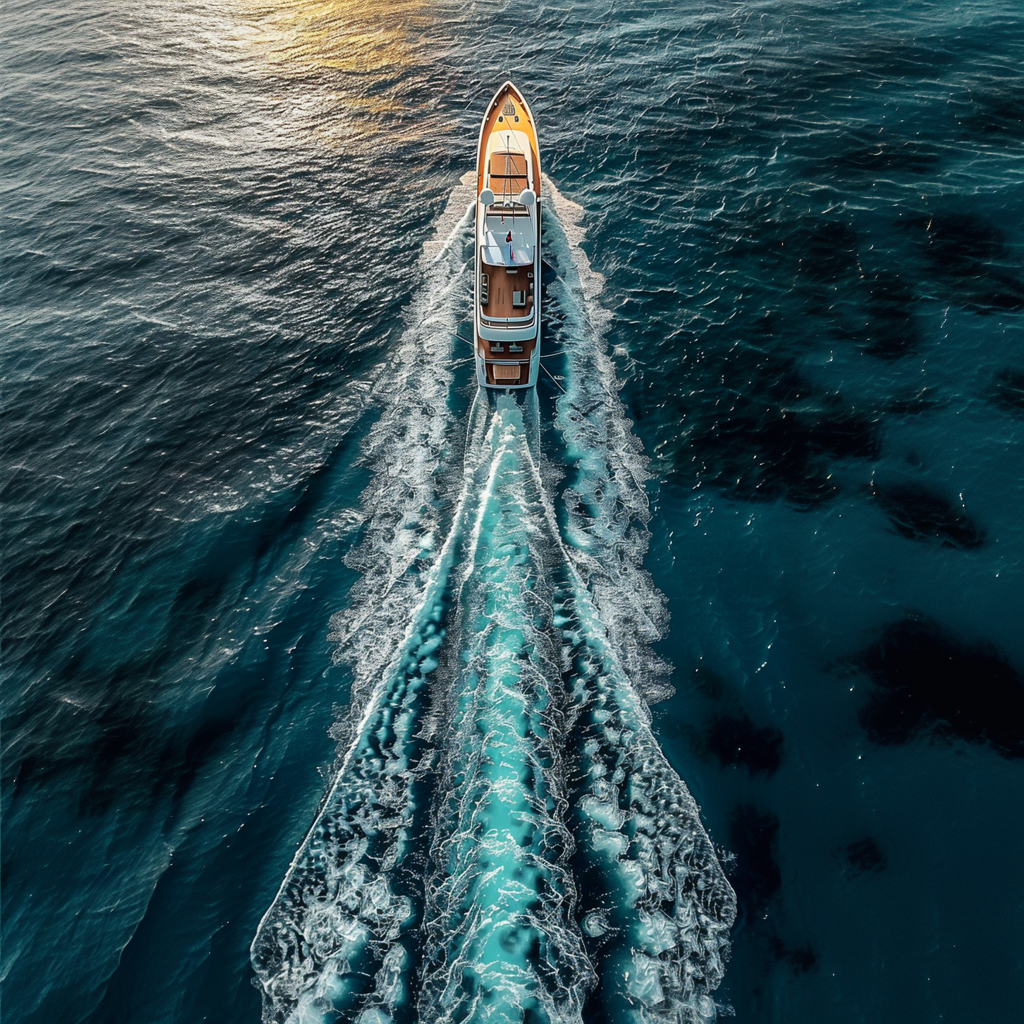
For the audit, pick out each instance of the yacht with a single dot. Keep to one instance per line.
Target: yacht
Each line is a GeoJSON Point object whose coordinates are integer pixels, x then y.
{"type": "Point", "coordinates": [507, 245]}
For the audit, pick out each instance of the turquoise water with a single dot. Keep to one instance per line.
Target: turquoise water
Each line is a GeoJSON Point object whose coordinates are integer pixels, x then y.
{"type": "Point", "coordinates": [334, 690]}
{"type": "Point", "coordinates": [504, 838]}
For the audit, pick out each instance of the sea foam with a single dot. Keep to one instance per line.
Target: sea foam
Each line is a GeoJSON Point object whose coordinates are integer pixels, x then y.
{"type": "Point", "coordinates": [503, 838]}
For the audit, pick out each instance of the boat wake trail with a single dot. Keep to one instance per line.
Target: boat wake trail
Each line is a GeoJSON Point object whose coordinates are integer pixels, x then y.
{"type": "Point", "coordinates": [504, 839]}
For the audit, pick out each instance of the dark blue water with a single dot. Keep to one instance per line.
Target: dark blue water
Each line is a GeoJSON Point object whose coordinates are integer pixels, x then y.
{"type": "Point", "coordinates": [237, 425]}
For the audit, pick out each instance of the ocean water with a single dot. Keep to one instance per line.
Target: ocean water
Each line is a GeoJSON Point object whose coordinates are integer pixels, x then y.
{"type": "Point", "coordinates": [689, 686]}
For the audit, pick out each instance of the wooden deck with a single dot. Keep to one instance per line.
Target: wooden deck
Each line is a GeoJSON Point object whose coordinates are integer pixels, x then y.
{"type": "Point", "coordinates": [508, 295]}
{"type": "Point", "coordinates": [507, 374]}
{"type": "Point", "coordinates": [507, 177]}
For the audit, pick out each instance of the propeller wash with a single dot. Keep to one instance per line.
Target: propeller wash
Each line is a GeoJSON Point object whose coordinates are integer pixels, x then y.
{"type": "Point", "coordinates": [503, 839]}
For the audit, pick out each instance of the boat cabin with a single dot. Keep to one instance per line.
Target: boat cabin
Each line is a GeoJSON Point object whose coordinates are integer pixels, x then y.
{"type": "Point", "coordinates": [508, 233]}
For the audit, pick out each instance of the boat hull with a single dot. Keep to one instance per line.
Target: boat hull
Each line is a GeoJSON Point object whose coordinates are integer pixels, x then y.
{"type": "Point", "coordinates": [507, 245]}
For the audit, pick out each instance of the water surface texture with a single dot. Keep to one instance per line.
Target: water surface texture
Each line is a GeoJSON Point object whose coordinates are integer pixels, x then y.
{"type": "Point", "coordinates": [333, 690]}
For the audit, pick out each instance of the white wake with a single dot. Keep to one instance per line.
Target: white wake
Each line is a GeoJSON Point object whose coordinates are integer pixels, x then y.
{"type": "Point", "coordinates": [503, 839]}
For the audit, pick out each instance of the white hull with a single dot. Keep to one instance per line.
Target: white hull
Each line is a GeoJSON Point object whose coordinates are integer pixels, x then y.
{"type": "Point", "coordinates": [507, 246]}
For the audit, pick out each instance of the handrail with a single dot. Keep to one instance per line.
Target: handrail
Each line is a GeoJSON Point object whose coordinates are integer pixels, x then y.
{"type": "Point", "coordinates": [498, 321]}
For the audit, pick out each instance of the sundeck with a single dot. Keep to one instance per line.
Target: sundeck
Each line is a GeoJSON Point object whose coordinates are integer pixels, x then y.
{"type": "Point", "coordinates": [507, 244]}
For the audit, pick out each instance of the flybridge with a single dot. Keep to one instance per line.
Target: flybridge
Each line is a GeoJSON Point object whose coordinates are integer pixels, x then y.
{"type": "Point", "coordinates": [507, 250]}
